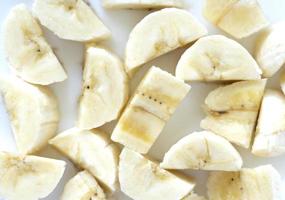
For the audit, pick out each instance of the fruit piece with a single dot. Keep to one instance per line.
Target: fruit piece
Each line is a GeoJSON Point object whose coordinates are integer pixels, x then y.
{"type": "Point", "coordinates": [154, 182]}
{"type": "Point", "coordinates": [159, 33]}
{"type": "Point", "coordinates": [90, 150]}
{"type": "Point", "coordinates": [153, 103]}
{"type": "Point", "coordinates": [202, 150]}
{"type": "Point", "coordinates": [239, 18]}
{"type": "Point", "coordinates": [30, 55]}
{"type": "Point", "coordinates": [83, 186]}
{"type": "Point", "coordinates": [217, 58]}
{"type": "Point", "coordinates": [262, 183]}
{"type": "Point", "coordinates": [270, 132]}
{"type": "Point", "coordinates": [104, 90]}
{"type": "Point", "coordinates": [141, 4]}
{"type": "Point", "coordinates": [193, 196]}
{"type": "Point", "coordinates": [70, 20]}
{"type": "Point", "coordinates": [33, 113]}
{"type": "Point", "coordinates": [232, 110]}
{"type": "Point", "coordinates": [28, 177]}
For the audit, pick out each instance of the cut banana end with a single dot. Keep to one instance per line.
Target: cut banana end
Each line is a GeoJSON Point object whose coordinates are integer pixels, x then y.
{"type": "Point", "coordinates": [154, 182]}
{"type": "Point", "coordinates": [91, 150]}
{"type": "Point", "coordinates": [270, 132]}
{"type": "Point", "coordinates": [232, 110]}
{"type": "Point", "coordinates": [33, 113]}
{"type": "Point", "coordinates": [28, 177]}
{"type": "Point", "coordinates": [104, 91]}
{"type": "Point", "coordinates": [202, 150]}
{"type": "Point", "coordinates": [159, 33]}
{"type": "Point", "coordinates": [71, 20]}
{"type": "Point", "coordinates": [83, 186]}
{"type": "Point", "coordinates": [141, 4]}
{"type": "Point", "coordinates": [153, 103]}
{"type": "Point", "coordinates": [262, 183]}
{"type": "Point", "coordinates": [217, 58]}
{"type": "Point", "coordinates": [30, 55]}
{"type": "Point", "coordinates": [239, 18]}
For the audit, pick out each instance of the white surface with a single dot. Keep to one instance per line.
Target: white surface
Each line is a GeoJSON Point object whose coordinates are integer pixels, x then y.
{"type": "Point", "coordinates": [185, 120]}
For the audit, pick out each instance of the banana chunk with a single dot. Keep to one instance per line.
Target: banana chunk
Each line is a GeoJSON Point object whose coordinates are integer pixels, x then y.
{"type": "Point", "coordinates": [232, 111]}
{"type": "Point", "coordinates": [29, 54]}
{"type": "Point", "coordinates": [83, 186]}
{"type": "Point", "coordinates": [239, 18]}
{"type": "Point", "coordinates": [217, 58]}
{"type": "Point", "coordinates": [154, 182]}
{"type": "Point", "coordinates": [28, 177]}
{"type": "Point", "coordinates": [162, 31]}
{"type": "Point", "coordinates": [154, 101]}
{"type": "Point", "coordinates": [141, 4]}
{"type": "Point", "coordinates": [33, 113]}
{"type": "Point", "coordinates": [270, 132]}
{"type": "Point", "coordinates": [104, 91]}
{"type": "Point", "coordinates": [70, 20]}
{"type": "Point", "coordinates": [91, 150]}
{"type": "Point", "coordinates": [262, 183]}
{"type": "Point", "coordinates": [193, 196]}
{"type": "Point", "coordinates": [202, 150]}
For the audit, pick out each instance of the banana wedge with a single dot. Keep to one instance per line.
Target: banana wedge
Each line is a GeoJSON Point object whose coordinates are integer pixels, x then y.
{"type": "Point", "coordinates": [140, 4]}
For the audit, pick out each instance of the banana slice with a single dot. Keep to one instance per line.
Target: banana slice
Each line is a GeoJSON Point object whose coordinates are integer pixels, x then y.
{"type": "Point", "coordinates": [193, 196]}
{"type": "Point", "coordinates": [232, 110]}
{"type": "Point", "coordinates": [83, 186]}
{"type": "Point", "coordinates": [70, 20]}
{"type": "Point", "coordinates": [28, 177]}
{"type": "Point", "coordinates": [104, 91]}
{"type": "Point", "coordinates": [202, 150]}
{"type": "Point", "coordinates": [30, 55]}
{"type": "Point", "coordinates": [158, 33]}
{"type": "Point", "coordinates": [239, 18]}
{"type": "Point", "coordinates": [153, 103]}
{"type": "Point", "coordinates": [33, 113]}
{"type": "Point", "coordinates": [154, 182]}
{"type": "Point", "coordinates": [217, 58]}
{"type": "Point", "coordinates": [270, 132]}
{"type": "Point", "coordinates": [90, 150]}
{"type": "Point", "coordinates": [262, 183]}
{"type": "Point", "coordinates": [141, 4]}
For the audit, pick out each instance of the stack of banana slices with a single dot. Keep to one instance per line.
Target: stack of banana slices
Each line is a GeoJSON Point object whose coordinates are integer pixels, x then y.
{"type": "Point", "coordinates": [240, 112]}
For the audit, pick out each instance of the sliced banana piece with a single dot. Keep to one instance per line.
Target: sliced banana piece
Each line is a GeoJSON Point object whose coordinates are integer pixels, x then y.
{"type": "Point", "coordinates": [29, 54]}
{"type": "Point", "coordinates": [28, 177]}
{"type": "Point", "coordinates": [104, 91]}
{"type": "Point", "coordinates": [143, 179]}
{"type": "Point", "coordinates": [202, 150]}
{"type": "Point", "coordinates": [154, 101]}
{"type": "Point", "coordinates": [217, 58]}
{"type": "Point", "coordinates": [83, 186]}
{"type": "Point", "coordinates": [70, 20]}
{"type": "Point", "coordinates": [91, 150]}
{"type": "Point", "coordinates": [193, 196]}
{"type": "Point", "coordinates": [232, 110]}
{"type": "Point", "coordinates": [262, 183]}
{"type": "Point", "coordinates": [270, 132]}
{"type": "Point", "coordinates": [239, 18]}
{"type": "Point", "coordinates": [141, 4]}
{"type": "Point", "coordinates": [33, 112]}
{"type": "Point", "coordinates": [160, 32]}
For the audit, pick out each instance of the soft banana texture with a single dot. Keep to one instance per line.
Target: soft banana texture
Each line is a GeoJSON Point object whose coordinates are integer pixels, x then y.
{"type": "Point", "coordinates": [217, 58]}
{"type": "Point", "coordinates": [158, 33]}
{"type": "Point", "coordinates": [33, 113]}
{"type": "Point", "coordinates": [270, 132]}
{"type": "Point", "coordinates": [154, 182]}
{"type": "Point", "coordinates": [29, 54]}
{"type": "Point", "coordinates": [260, 183]}
{"type": "Point", "coordinates": [70, 20]}
{"type": "Point", "coordinates": [232, 111]}
{"type": "Point", "coordinates": [92, 151]}
{"type": "Point", "coordinates": [202, 150]}
{"type": "Point", "coordinates": [83, 186]}
{"type": "Point", "coordinates": [28, 177]}
{"type": "Point", "coordinates": [193, 196]}
{"type": "Point", "coordinates": [140, 4]}
{"type": "Point", "coordinates": [239, 18]}
{"type": "Point", "coordinates": [153, 103]}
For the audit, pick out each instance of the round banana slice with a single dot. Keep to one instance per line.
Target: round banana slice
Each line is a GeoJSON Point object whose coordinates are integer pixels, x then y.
{"type": "Point", "coordinates": [141, 4]}
{"type": "Point", "coordinates": [217, 58]}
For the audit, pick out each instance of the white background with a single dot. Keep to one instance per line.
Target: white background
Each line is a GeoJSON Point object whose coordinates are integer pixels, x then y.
{"type": "Point", "coordinates": [185, 120]}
